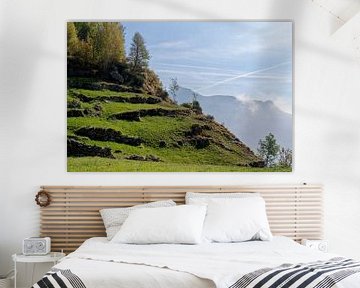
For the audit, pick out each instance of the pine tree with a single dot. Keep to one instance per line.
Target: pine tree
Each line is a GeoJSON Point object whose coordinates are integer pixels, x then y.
{"type": "Point", "coordinates": [139, 55]}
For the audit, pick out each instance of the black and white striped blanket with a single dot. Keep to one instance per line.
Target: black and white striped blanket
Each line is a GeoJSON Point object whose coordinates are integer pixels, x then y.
{"type": "Point", "coordinates": [57, 278]}
{"type": "Point", "coordinates": [320, 274]}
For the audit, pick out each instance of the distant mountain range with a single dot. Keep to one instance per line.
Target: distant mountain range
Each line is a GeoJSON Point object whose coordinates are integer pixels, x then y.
{"type": "Point", "coordinates": [250, 121]}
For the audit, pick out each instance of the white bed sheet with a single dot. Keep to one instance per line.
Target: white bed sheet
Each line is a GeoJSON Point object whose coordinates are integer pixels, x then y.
{"type": "Point", "coordinates": [100, 263]}
{"type": "Point", "coordinates": [101, 274]}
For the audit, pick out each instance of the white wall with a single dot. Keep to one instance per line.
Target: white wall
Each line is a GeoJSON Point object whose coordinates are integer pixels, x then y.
{"type": "Point", "coordinates": [33, 109]}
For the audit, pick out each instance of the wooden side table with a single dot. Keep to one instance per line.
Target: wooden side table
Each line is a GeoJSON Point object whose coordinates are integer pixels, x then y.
{"type": "Point", "coordinates": [53, 257]}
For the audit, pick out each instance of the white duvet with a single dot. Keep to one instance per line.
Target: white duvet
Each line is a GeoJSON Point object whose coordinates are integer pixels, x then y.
{"type": "Point", "coordinates": [100, 263]}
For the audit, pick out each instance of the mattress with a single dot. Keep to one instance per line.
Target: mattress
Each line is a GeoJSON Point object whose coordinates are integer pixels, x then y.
{"type": "Point", "coordinates": [99, 263]}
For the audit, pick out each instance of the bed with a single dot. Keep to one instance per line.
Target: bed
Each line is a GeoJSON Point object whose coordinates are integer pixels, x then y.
{"type": "Point", "coordinates": [293, 210]}
{"type": "Point", "coordinates": [99, 263]}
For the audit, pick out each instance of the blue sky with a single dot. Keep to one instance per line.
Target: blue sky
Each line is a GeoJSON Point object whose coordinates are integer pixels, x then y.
{"type": "Point", "coordinates": [248, 60]}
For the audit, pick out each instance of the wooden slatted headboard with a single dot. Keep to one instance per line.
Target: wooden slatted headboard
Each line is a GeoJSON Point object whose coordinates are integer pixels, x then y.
{"type": "Point", "coordinates": [73, 215]}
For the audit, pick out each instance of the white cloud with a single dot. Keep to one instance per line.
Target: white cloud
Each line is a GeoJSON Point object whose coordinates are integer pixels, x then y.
{"type": "Point", "coordinates": [252, 102]}
{"type": "Point", "coordinates": [285, 79]}
{"type": "Point", "coordinates": [283, 104]}
{"type": "Point", "coordinates": [243, 98]}
{"type": "Point", "coordinates": [179, 44]}
{"type": "Point", "coordinates": [197, 73]}
{"type": "Point", "coordinates": [197, 67]}
{"type": "Point", "coordinates": [244, 75]}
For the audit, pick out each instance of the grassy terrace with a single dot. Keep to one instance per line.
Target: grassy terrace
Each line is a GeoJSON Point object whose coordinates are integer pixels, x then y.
{"type": "Point", "coordinates": [102, 93]}
{"type": "Point", "coordinates": [97, 164]}
{"type": "Point", "coordinates": [179, 153]}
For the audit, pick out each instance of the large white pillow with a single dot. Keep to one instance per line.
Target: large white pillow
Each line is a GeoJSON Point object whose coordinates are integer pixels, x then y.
{"type": "Point", "coordinates": [204, 198]}
{"type": "Point", "coordinates": [173, 225]}
{"type": "Point", "coordinates": [236, 220]}
{"type": "Point", "coordinates": [113, 218]}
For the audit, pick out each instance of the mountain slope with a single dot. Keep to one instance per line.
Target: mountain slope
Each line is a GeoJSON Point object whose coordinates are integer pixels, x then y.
{"type": "Point", "coordinates": [248, 120]}
{"type": "Point", "coordinates": [114, 130]}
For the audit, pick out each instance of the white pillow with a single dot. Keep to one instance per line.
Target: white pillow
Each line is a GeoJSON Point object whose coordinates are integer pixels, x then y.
{"type": "Point", "coordinates": [113, 218]}
{"type": "Point", "coordinates": [180, 224]}
{"type": "Point", "coordinates": [236, 220]}
{"type": "Point", "coordinates": [204, 198]}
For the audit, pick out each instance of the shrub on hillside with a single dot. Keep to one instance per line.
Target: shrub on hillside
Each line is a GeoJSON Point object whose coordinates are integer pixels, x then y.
{"type": "Point", "coordinates": [74, 104]}
{"type": "Point", "coordinates": [152, 84]}
{"type": "Point", "coordinates": [186, 105]}
{"type": "Point", "coordinates": [210, 117]}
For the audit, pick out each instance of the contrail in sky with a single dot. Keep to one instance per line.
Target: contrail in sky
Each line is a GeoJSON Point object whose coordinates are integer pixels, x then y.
{"type": "Point", "coordinates": [242, 76]}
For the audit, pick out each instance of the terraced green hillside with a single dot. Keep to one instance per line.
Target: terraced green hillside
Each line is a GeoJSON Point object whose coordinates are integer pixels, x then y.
{"type": "Point", "coordinates": [111, 128]}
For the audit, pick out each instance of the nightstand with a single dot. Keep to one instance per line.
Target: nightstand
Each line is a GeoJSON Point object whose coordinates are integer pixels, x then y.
{"type": "Point", "coordinates": [52, 257]}
{"type": "Point", "coordinates": [320, 245]}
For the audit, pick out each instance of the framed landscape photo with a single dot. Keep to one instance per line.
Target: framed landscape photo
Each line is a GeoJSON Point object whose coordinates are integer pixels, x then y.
{"type": "Point", "coordinates": [180, 96]}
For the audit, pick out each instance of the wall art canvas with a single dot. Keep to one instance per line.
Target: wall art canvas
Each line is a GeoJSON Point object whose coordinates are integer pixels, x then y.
{"type": "Point", "coordinates": [179, 96]}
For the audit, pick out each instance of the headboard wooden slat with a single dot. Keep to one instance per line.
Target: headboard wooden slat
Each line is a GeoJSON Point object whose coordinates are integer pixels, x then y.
{"type": "Point", "coordinates": [73, 215]}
